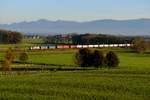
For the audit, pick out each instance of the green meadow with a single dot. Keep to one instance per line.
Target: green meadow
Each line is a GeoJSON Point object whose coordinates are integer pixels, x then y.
{"type": "Point", "coordinates": [129, 81]}
{"type": "Point", "coordinates": [104, 84]}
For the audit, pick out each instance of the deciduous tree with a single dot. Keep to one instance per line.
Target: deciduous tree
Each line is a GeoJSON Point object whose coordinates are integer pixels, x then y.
{"type": "Point", "coordinates": [6, 66]}
{"type": "Point", "coordinates": [111, 59]}
{"type": "Point", "coordinates": [139, 45]}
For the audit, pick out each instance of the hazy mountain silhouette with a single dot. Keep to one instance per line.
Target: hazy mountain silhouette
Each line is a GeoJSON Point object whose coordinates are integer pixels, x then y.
{"type": "Point", "coordinates": [125, 27]}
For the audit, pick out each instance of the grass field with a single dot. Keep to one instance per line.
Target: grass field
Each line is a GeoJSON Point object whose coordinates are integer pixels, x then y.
{"type": "Point", "coordinates": [130, 81]}
{"type": "Point", "coordinates": [115, 84]}
{"type": "Point", "coordinates": [128, 59]}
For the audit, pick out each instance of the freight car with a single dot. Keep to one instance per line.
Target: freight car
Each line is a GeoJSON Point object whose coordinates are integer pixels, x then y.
{"type": "Point", "coordinates": [49, 46]}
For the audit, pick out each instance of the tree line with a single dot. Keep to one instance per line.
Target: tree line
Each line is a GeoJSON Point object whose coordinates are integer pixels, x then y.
{"type": "Point", "coordinates": [89, 38]}
{"type": "Point", "coordinates": [100, 39]}
{"type": "Point", "coordinates": [10, 37]}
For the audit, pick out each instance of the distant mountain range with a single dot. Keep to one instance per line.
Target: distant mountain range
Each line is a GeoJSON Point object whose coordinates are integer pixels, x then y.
{"type": "Point", "coordinates": [117, 27]}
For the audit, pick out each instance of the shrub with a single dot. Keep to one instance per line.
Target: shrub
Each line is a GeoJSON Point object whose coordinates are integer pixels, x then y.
{"type": "Point", "coordinates": [111, 59]}
{"type": "Point", "coordinates": [23, 57]}
{"type": "Point", "coordinates": [98, 59]}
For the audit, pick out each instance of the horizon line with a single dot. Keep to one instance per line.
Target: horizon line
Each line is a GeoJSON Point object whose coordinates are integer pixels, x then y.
{"type": "Point", "coordinates": [72, 20]}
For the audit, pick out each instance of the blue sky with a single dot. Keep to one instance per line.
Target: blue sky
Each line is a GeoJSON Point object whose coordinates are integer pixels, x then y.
{"type": "Point", "coordinates": [76, 10]}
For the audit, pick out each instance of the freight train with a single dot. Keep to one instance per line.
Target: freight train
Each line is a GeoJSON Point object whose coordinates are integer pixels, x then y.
{"type": "Point", "coordinates": [50, 46]}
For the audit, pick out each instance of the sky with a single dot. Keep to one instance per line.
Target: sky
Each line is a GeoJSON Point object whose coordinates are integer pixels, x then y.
{"type": "Point", "coordinates": [74, 10]}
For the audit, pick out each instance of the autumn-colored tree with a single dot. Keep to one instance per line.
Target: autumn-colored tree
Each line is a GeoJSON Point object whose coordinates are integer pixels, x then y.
{"type": "Point", "coordinates": [139, 45]}
{"type": "Point", "coordinates": [6, 66]}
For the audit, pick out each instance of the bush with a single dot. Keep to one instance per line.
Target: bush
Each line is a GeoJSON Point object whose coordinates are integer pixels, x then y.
{"type": "Point", "coordinates": [111, 60]}
{"type": "Point", "coordinates": [23, 57]}
{"type": "Point", "coordinates": [98, 59]}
